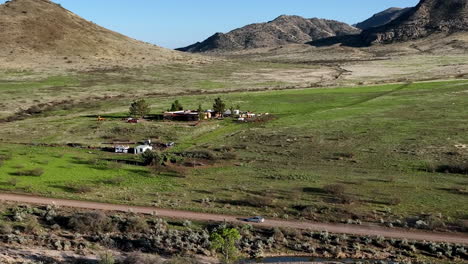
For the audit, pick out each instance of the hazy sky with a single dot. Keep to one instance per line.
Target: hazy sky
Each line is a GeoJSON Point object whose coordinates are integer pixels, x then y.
{"type": "Point", "coordinates": [177, 23]}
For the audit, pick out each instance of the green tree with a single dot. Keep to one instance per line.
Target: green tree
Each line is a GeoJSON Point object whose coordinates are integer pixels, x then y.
{"type": "Point", "coordinates": [219, 106]}
{"type": "Point", "coordinates": [139, 109]}
{"type": "Point", "coordinates": [152, 158]}
{"type": "Point", "coordinates": [224, 241]}
{"type": "Point", "coordinates": [176, 106]}
{"type": "Point", "coordinates": [201, 112]}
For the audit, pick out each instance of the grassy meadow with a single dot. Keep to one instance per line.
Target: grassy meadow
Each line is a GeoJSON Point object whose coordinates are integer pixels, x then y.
{"type": "Point", "coordinates": [329, 153]}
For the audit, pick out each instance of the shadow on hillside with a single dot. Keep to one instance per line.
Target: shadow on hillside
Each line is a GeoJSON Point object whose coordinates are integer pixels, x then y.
{"type": "Point", "coordinates": [354, 41]}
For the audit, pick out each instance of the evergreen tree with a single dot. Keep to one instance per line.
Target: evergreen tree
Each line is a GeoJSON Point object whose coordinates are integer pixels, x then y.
{"type": "Point", "coordinates": [176, 106]}
{"type": "Point", "coordinates": [219, 106]}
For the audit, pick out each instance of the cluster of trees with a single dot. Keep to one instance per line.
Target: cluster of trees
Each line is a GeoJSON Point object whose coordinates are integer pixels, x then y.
{"type": "Point", "coordinates": [140, 108]}
{"type": "Point", "coordinates": [219, 106]}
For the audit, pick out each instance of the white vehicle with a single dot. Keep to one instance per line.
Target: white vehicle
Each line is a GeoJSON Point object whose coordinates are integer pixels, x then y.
{"type": "Point", "coordinates": [255, 219]}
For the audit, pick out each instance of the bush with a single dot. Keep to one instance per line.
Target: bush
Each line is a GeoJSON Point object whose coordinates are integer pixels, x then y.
{"type": "Point", "coordinates": [32, 226]}
{"type": "Point", "coordinates": [136, 225]}
{"type": "Point", "coordinates": [453, 168]}
{"type": "Point", "coordinates": [152, 158]}
{"type": "Point", "coordinates": [79, 188]}
{"type": "Point", "coordinates": [229, 156]}
{"type": "Point", "coordinates": [115, 181]}
{"type": "Point", "coordinates": [256, 201]}
{"type": "Point", "coordinates": [91, 222]}
{"type": "Point", "coordinates": [461, 168]}
{"type": "Point", "coordinates": [139, 258]}
{"type": "Point", "coordinates": [37, 172]}
{"type": "Point", "coordinates": [199, 154]}
{"type": "Point", "coordinates": [4, 157]}
{"type": "Point", "coordinates": [106, 258]}
{"type": "Point", "coordinates": [5, 228]}
{"type": "Point", "coordinates": [394, 201]}
{"type": "Point", "coordinates": [335, 189]}
{"type": "Point", "coordinates": [13, 182]}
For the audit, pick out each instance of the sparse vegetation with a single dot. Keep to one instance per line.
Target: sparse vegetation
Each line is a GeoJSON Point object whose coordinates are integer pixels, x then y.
{"type": "Point", "coordinates": [91, 222]}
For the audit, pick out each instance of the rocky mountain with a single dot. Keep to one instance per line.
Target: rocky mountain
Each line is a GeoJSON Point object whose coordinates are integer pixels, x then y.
{"type": "Point", "coordinates": [382, 18]}
{"type": "Point", "coordinates": [428, 17]}
{"type": "Point", "coordinates": [283, 30]}
{"type": "Point", "coordinates": [40, 32]}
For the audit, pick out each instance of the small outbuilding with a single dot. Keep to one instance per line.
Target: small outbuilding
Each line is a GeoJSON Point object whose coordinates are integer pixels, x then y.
{"type": "Point", "coordinates": [142, 149]}
{"type": "Point", "coordinates": [121, 149]}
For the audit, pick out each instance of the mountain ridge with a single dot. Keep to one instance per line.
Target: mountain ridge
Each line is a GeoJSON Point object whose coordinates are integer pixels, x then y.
{"type": "Point", "coordinates": [428, 17]}
{"type": "Point", "coordinates": [280, 31]}
{"type": "Point", "coordinates": [382, 18]}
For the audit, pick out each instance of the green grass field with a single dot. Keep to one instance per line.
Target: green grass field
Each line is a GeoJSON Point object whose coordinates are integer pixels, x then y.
{"type": "Point", "coordinates": [382, 144]}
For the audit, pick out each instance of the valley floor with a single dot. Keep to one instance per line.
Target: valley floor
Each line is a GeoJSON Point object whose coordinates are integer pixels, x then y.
{"type": "Point", "coordinates": [393, 154]}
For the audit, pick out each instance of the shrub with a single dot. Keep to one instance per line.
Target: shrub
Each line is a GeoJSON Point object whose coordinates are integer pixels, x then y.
{"type": "Point", "coordinates": [199, 154]}
{"type": "Point", "coordinates": [5, 228]}
{"type": "Point", "coordinates": [152, 158]}
{"type": "Point", "coordinates": [453, 168]}
{"type": "Point", "coordinates": [91, 222]}
{"type": "Point", "coordinates": [257, 201]}
{"type": "Point", "coordinates": [394, 201]}
{"type": "Point", "coordinates": [139, 258]}
{"type": "Point", "coordinates": [460, 168]}
{"type": "Point", "coordinates": [37, 172]}
{"type": "Point", "coordinates": [136, 225]}
{"type": "Point", "coordinates": [335, 189]}
{"type": "Point", "coordinates": [32, 226]}
{"type": "Point", "coordinates": [115, 181]}
{"type": "Point", "coordinates": [79, 188]}
{"type": "Point", "coordinates": [229, 156]}
{"type": "Point", "coordinates": [106, 258]}
{"type": "Point", "coordinates": [13, 182]}
{"type": "Point", "coordinates": [345, 199]}
{"type": "Point", "coordinates": [4, 157]}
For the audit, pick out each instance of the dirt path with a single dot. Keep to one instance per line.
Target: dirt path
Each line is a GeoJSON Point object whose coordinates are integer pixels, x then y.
{"type": "Point", "coordinates": [365, 230]}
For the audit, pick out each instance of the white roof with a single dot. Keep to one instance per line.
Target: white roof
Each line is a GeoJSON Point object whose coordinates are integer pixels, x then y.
{"type": "Point", "coordinates": [145, 146]}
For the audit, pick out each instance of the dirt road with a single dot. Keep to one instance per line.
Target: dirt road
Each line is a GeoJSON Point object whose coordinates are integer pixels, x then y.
{"type": "Point", "coordinates": [365, 230]}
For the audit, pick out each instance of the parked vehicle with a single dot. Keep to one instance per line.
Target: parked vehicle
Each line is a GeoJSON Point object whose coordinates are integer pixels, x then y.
{"type": "Point", "coordinates": [255, 219]}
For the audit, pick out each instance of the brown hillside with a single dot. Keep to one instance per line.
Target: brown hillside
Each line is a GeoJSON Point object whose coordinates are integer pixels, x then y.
{"type": "Point", "coordinates": [34, 32]}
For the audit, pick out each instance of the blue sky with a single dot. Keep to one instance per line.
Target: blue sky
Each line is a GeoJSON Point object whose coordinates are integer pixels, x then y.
{"type": "Point", "coordinates": [177, 23]}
